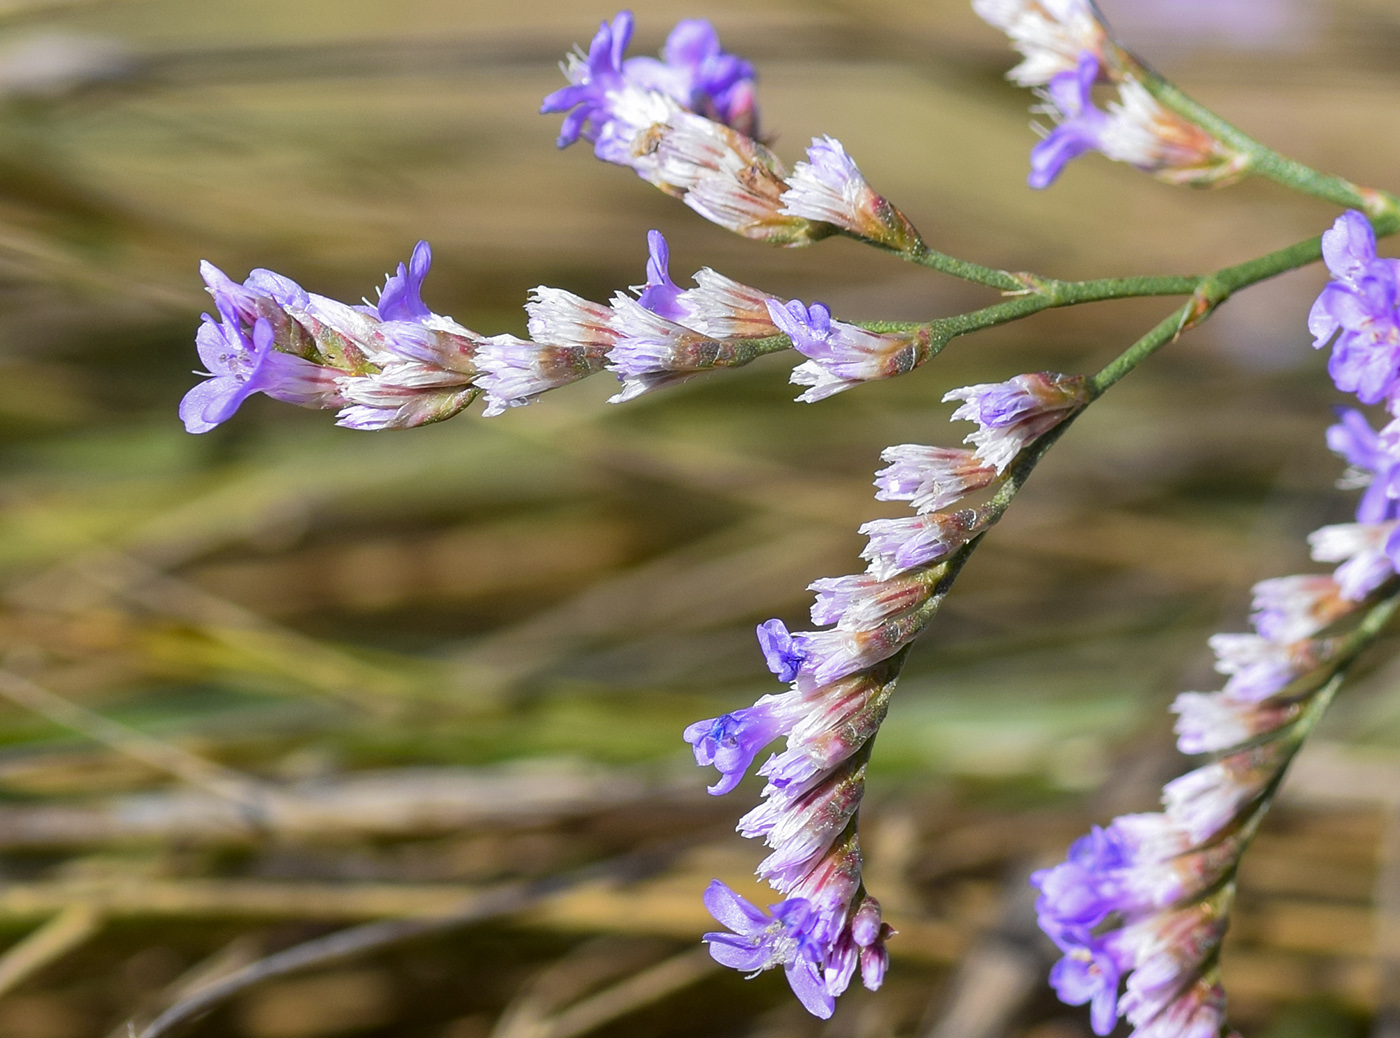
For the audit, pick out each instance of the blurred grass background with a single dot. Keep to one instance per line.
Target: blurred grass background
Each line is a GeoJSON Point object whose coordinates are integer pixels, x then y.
{"type": "Point", "coordinates": [285, 677]}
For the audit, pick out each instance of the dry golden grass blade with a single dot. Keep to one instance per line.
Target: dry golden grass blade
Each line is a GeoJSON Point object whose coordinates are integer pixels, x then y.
{"type": "Point", "coordinates": [69, 929]}
{"type": "Point", "coordinates": [163, 756]}
{"type": "Point", "coordinates": [308, 661]}
{"type": "Point", "coordinates": [507, 899]}
{"type": "Point", "coordinates": [399, 802]}
{"type": "Point", "coordinates": [641, 989]}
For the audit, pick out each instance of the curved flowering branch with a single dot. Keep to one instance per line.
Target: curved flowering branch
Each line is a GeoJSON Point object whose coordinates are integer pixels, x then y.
{"type": "Point", "coordinates": [827, 925]}
{"type": "Point", "coordinates": [1146, 900]}
{"type": "Point", "coordinates": [1067, 48]}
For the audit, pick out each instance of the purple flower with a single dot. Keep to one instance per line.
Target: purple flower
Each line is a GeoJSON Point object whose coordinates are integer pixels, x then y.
{"type": "Point", "coordinates": [1135, 129]}
{"type": "Point", "coordinates": [875, 960]}
{"type": "Point", "coordinates": [1080, 125]}
{"type": "Point", "coordinates": [1089, 972]}
{"type": "Point", "coordinates": [787, 938]}
{"type": "Point", "coordinates": [696, 73]}
{"type": "Point", "coordinates": [604, 105]}
{"type": "Point", "coordinates": [731, 741]}
{"type": "Point", "coordinates": [843, 355]}
{"type": "Point", "coordinates": [609, 100]}
{"type": "Point", "coordinates": [660, 294]}
{"type": "Point", "coordinates": [1358, 308]}
{"type": "Point", "coordinates": [241, 365]}
{"type": "Point", "coordinates": [1372, 465]}
{"type": "Point", "coordinates": [401, 298]}
{"type": "Point", "coordinates": [1083, 890]}
{"type": "Point", "coordinates": [780, 651]}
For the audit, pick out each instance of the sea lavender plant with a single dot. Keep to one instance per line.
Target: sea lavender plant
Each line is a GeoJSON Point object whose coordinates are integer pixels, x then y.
{"type": "Point", "coordinates": [1139, 907]}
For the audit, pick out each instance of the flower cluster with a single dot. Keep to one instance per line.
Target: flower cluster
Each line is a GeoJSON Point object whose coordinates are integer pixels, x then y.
{"type": "Point", "coordinates": [841, 679]}
{"type": "Point", "coordinates": [1143, 904]}
{"type": "Point", "coordinates": [688, 124]}
{"type": "Point", "coordinates": [396, 364]}
{"type": "Point", "coordinates": [1067, 51]}
{"type": "Point", "coordinates": [389, 365]}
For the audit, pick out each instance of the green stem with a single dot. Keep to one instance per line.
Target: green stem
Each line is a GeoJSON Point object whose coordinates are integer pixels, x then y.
{"type": "Point", "coordinates": [1213, 290]}
{"type": "Point", "coordinates": [958, 268]}
{"type": "Point", "coordinates": [1270, 164]}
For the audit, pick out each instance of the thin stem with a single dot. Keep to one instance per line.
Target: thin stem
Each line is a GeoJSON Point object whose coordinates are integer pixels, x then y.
{"type": "Point", "coordinates": [1270, 164]}
{"type": "Point", "coordinates": [959, 268]}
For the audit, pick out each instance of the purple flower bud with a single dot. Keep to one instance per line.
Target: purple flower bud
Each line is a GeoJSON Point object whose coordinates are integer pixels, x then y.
{"type": "Point", "coordinates": [653, 352]}
{"type": "Point", "coordinates": [1211, 721]}
{"type": "Point", "coordinates": [843, 355]}
{"type": "Point", "coordinates": [930, 478]}
{"type": "Point", "coordinates": [1050, 34]}
{"type": "Point", "coordinates": [1288, 609]}
{"type": "Point", "coordinates": [1011, 414]}
{"type": "Point", "coordinates": [897, 545]}
{"type": "Point", "coordinates": [829, 188]}
{"type": "Point", "coordinates": [725, 309]}
{"type": "Point", "coordinates": [728, 178]}
{"type": "Point", "coordinates": [1197, 1012]}
{"type": "Point", "coordinates": [801, 829]}
{"type": "Point", "coordinates": [866, 924]}
{"type": "Point", "coordinates": [837, 720]}
{"type": "Point", "coordinates": [1168, 950]}
{"type": "Point", "coordinates": [841, 962]}
{"type": "Point", "coordinates": [863, 601]}
{"type": "Point", "coordinates": [1260, 668]}
{"type": "Point", "coordinates": [1205, 801]}
{"type": "Point", "coordinates": [1365, 551]}
{"type": "Point", "coordinates": [875, 960]}
{"type": "Point", "coordinates": [571, 339]}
